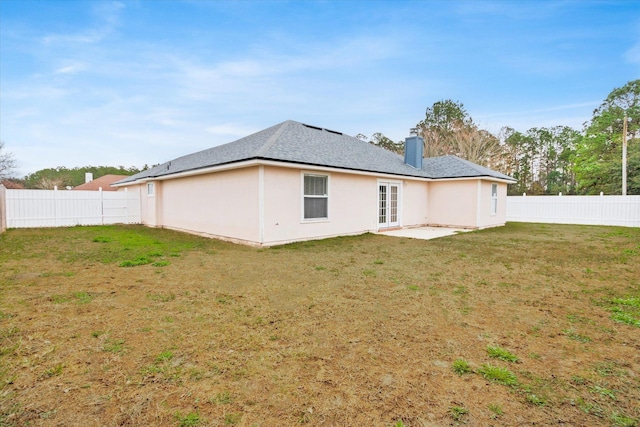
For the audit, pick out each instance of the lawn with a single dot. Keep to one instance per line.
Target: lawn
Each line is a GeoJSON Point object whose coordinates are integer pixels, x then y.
{"type": "Point", "coordinates": [527, 324]}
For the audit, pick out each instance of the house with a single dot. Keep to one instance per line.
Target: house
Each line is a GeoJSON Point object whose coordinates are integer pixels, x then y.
{"type": "Point", "coordinates": [103, 182]}
{"type": "Point", "coordinates": [294, 182]}
{"type": "Point", "coordinates": [10, 184]}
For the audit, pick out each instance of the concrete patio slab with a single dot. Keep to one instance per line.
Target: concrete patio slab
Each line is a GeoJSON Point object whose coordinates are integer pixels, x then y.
{"type": "Point", "coordinates": [424, 233]}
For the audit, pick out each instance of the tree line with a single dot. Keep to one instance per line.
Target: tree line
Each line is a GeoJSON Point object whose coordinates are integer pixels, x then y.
{"type": "Point", "coordinates": [62, 177]}
{"type": "Point", "coordinates": [543, 160]}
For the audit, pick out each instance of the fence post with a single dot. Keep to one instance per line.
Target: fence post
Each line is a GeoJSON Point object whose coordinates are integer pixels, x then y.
{"type": "Point", "coordinates": [3, 208]}
{"type": "Point", "coordinates": [101, 206]}
{"type": "Point", "coordinates": [55, 205]}
{"type": "Point", "coordinates": [601, 207]}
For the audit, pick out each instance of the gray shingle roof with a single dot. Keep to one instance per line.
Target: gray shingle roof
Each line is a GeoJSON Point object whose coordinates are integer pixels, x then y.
{"type": "Point", "coordinates": [296, 142]}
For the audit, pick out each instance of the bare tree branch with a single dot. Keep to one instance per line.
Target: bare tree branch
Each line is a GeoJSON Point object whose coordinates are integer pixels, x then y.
{"type": "Point", "coordinates": [7, 162]}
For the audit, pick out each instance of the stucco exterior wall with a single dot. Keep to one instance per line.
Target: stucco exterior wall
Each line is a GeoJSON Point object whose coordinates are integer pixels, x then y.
{"type": "Point", "coordinates": [453, 203]}
{"type": "Point", "coordinates": [485, 217]}
{"type": "Point", "coordinates": [223, 204]}
{"type": "Point", "coordinates": [415, 203]}
{"type": "Point", "coordinates": [466, 203]}
{"type": "Point", "coordinates": [352, 206]}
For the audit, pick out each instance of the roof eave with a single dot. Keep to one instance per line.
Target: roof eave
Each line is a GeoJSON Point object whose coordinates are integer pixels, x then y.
{"type": "Point", "coordinates": [255, 161]}
{"type": "Point", "coordinates": [485, 177]}
{"type": "Point", "coordinates": [263, 161]}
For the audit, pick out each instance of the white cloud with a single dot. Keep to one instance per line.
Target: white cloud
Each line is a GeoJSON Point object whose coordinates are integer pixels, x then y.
{"type": "Point", "coordinates": [572, 115]}
{"type": "Point", "coordinates": [579, 105]}
{"type": "Point", "coordinates": [230, 129]}
{"type": "Point", "coordinates": [107, 14]}
{"type": "Point", "coordinates": [632, 55]}
{"type": "Point", "coordinates": [72, 68]}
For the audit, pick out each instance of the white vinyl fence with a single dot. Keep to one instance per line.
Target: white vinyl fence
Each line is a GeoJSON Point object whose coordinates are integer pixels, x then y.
{"type": "Point", "coordinates": [60, 208]}
{"type": "Point", "coordinates": [594, 210]}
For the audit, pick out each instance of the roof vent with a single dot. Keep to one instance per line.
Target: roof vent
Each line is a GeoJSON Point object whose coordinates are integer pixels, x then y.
{"type": "Point", "coordinates": [318, 128]}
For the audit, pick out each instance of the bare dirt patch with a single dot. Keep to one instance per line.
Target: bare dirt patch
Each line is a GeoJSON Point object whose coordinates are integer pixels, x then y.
{"type": "Point", "coordinates": [135, 326]}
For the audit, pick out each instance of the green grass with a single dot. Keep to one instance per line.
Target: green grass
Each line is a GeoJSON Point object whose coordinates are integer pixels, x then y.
{"type": "Point", "coordinates": [603, 391]}
{"type": "Point", "coordinates": [461, 367]}
{"type": "Point", "coordinates": [458, 412]}
{"type": "Point", "coordinates": [54, 371]}
{"type": "Point", "coordinates": [162, 297]}
{"type": "Point", "coordinates": [60, 299]}
{"type": "Point", "coordinates": [232, 419]}
{"type": "Point", "coordinates": [114, 346]}
{"type": "Point", "coordinates": [621, 420]}
{"type": "Point", "coordinates": [223, 398]}
{"type": "Point", "coordinates": [162, 263]}
{"type": "Point", "coordinates": [129, 245]}
{"type": "Point", "coordinates": [502, 354]}
{"type": "Point", "coordinates": [498, 374]}
{"type": "Point", "coordinates": [496, 410]}
{"type": "Point", "coordinates": [572, 334]}
{"type": "Point", "coordinates": [83, 297]}
{"type": "Point", "coordinates": [141, 260]}
{"type": "Point", "coordinates": [535, 399]}
{"type": "Point", "coordinates": [191, 419]}
{"type": "Point", "coordinates": [626, 310]}
{"type": "Point", "coordinates": [164, 356]}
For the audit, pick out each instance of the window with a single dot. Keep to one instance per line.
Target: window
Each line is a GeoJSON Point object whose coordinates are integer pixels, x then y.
{"type": "Point", "coordinates": [150, 189]}
{"type": "Point", "coordinates": [316, 197]}
{"type": "Point", "coordinates": [494, 199]}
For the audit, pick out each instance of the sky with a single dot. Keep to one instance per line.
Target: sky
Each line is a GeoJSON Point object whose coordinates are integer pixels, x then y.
{"type": "Point", "coordinates": [129, 83]}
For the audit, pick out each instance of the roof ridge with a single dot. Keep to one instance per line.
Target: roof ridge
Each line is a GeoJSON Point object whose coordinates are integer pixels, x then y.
{"type": "Point", "coordinates": [273, 139]}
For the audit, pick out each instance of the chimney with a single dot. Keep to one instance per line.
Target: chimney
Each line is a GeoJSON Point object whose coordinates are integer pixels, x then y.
{"type": "Point", "coordinates": [413, 146]}
{"type": "Point", "coordinates": [88, 177]}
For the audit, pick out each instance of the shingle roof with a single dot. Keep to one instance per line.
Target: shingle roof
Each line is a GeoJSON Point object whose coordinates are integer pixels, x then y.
{"type": "Point", "coordinates": [295, 142]}
{"type": "Point", "coordinates": [104, 181]}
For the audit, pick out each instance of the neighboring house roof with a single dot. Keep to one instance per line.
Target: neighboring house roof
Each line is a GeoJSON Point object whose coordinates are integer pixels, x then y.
{"type": "Point", "coordinates": [298, 143]}
{"type": "Point", "coordinates": [104, 181]}
{"type": "Point", "coordinates": [11, 185]}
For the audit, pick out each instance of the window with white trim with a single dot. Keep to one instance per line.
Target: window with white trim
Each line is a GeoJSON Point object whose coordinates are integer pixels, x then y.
{"type": "Point", "coordinates": [494, 199]}
{"type": "Point", "coordinates": [150, 189]}
{"type": "Point", "coordinates": [315, 197]}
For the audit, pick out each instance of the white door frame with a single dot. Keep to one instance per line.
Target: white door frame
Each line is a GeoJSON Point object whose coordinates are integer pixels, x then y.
{"type": "Point", "coordinates": [389, 211]}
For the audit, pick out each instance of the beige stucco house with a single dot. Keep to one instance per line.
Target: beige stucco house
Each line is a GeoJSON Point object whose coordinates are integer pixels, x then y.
{"type": "Point", "coordinates": [294, 182]}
